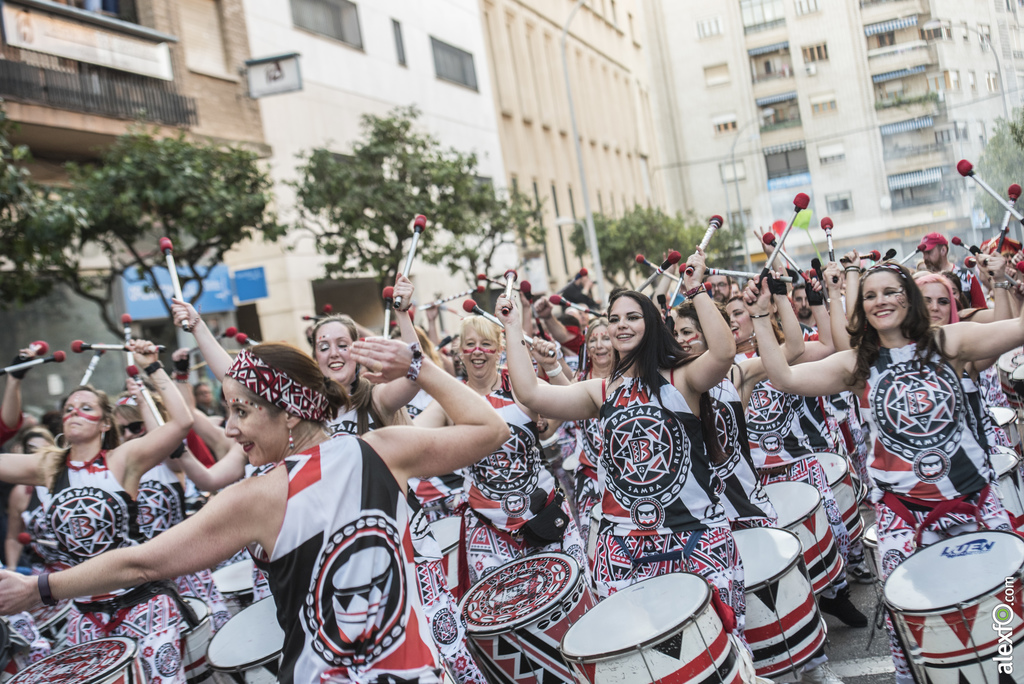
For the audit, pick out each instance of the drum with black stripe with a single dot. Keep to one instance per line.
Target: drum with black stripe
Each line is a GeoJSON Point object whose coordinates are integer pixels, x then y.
{"type": "Point", "coordinates": [104, 661]}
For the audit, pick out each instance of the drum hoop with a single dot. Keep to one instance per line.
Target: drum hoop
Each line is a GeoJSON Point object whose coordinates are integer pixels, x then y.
{"type": "Point", "coordinates": [130, 657]}
{"type": "Point", "coordinates": [777, 576]}
{"type": "Point", "coordinates": [643, 645]}
{"type": "Point", "coordinates": [809, 513]}
{"type": "Point", "coordinates": [192, 631]}
{"type": "Point", "coordinates": [529, 619]}
{"type": "Point", "coordinates": [241, 667]}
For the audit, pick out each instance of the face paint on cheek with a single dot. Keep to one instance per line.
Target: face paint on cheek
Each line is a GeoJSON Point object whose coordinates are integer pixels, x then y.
{"type": "Point", "coordinates": [901, 300]}
{"type": "Point", "coordinates": [86, 416]}
{"type": "Point", "coordinates": [695, 339]}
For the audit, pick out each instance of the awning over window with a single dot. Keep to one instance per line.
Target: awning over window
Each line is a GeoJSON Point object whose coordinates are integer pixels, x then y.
{"type": "Point", "coordinates": [772, 99]}
{"type": "Point", "coordinates": [891, 25]}
{"type": "Point", "coordinates": [830, 151]}
{"type": "Point", "coordinates": [764, 50]}
{"type": "Point", "coordinates": [907, 126]}
{"type": "Point", "coordinates": [915, 178]}
{"type": "Point", "coordinates": [892, 75]}
{"type": "Point", "coordinates": [723, 119]}
{"type": "Point", "coordinates": [785, 147]}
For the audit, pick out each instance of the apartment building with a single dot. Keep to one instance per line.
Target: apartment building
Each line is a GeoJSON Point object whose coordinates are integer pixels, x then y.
{"type": "Point", "coordinates": [865, 106]}
{"type": "Point", "coordinates": [608, 71]}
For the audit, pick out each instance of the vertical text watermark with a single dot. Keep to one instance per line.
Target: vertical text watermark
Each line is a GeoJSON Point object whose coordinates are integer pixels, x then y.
{"type": "Point", "coordinates": [1002, 623]}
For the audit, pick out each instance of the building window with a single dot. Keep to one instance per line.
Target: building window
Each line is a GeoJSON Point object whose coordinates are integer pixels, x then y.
{"type": "Point", "coordinates": [716, 75]}
{"type": "Point", "coordinates": [815, 53]}
{"type": "Point", "coordinates": [972, 82]}
{"type": "Point", "coordinates": [709, 27]}
{"type": "Point", "coordinates": [725, 125]}
{"type": "Point", "coordinates": [805, 6]}
{"type": "Point", "coordinates": [943, 32]}
{"type": "Point", "coordinates": [831, 153]}
{"type": "Point", "coordinates": [740, 221]}
{"type": "Point", "coordinates": [615, 16]}
{"type": "Point", "coordinates": [759, 15]}
{"type": "Point", "coordinates": [885, 39]}
{"type": "Point", "coordinates": [952, 79]}
{"type": "Point", "coordinates": [204, 42]}
{"type": "Point", "coordinates": [726, 169]}
{"type": "Point", "coordinates": [789, 163]}
{"type": "Point", "coordinates": [453, 64]}
{"type": "Point", "coordinates": [992, 81]}
{"type": "Point", "coordinates": [823, 104]}
{"type": "Point", "coordinates": [399, 43]}
{"type": "Point", "coordinates": [985, 31]}
{"type": "Point", "coordinates": [842, 201]}
{"type": "Point", "coordinates": [944, 136]}
{"type": "Point", "coordinates": [336, 19]}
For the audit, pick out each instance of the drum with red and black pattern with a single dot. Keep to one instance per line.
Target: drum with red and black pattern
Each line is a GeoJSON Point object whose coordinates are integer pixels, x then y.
{"type": "Point", "coordinates": [784, 628]}
{"type": "Point", "coordinates": [517, 615]}
{"type": "Point", "coordinates": [800, 511]}
{"type": "Point", "coordinates": [1006, 365]}
{"type": "Point", "coordinates": [846, 490]}
{"type": "Point", "coordinates": [663, 629]}
{"type": "Point", "coordinates": [104, 661]}
{"type": "Point", "coordinates": [958, 606]}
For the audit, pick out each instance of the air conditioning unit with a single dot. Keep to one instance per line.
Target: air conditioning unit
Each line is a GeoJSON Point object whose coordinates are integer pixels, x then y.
{"type": "Point", "coordinates": [811, 69]}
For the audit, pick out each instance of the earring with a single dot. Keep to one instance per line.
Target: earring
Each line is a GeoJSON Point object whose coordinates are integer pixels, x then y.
{"type": "Point", "coordinates": [57, 440]}
{"type": "Point", "coordinates": [291, 441]}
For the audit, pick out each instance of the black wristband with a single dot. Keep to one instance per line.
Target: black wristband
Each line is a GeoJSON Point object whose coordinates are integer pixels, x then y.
{"type": "Point", "coordinates": [776, 287]}
{"type": "Point", "coordinates": [179, 452]}
{"type": "Point", "coordinates": [44, 590]}
{"type": "Point", "coordinates": [181, 365]}
{"type": "Point", "coordinates": [153, 368]}
{"type": "Point", "coordinates": [814, 297]}
{"type": "Point", "coordinates": [19, 374]}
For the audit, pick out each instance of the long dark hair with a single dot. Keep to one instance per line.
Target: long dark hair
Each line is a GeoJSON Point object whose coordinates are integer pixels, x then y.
{"type": "Point", "coordinates": [658, 349]}
{"type": "Point", "coordinates": [916, 327]}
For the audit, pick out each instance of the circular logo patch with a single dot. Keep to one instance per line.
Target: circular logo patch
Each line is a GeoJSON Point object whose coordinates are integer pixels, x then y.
{"type": "Point", "coordinates": [646, 454]}
{"type": "Point", "coordinates": [357, 606]}
{"type": "Point", "coordinates": [515, 504]}
{"type": "Point", "coordinates": [82, 663]}
{"type": "Point", "coordinates": [515, 467]}
{"type": "Point", "coordinates": [647, 514]}
{"type": "Point", "coordinates": [444, 627]}
{"type": "Point", "coordinates": [728, 432]}
{"type": "Point", "coordinates": [931, 466]}
{"type": "Point", "coordinates": [769, 411]}
{"type": "Point", "coordinates": [168, 660]}
{"type": "Point", "coordinates": [88, 521]}
{"type": "Point", "coordinates": [159, 508]}
{"type": "Point", "coordinates": [918, 409]}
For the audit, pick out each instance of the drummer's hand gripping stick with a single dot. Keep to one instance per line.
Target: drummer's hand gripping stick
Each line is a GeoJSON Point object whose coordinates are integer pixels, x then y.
{"type": "Point", "coordinates": [417, 230]}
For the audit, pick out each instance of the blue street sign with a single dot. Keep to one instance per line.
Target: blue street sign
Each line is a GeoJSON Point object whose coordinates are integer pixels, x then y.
{"type": "Point", "coordinates": [250, 284]}
{"type": "Point", "coordinates": [143, 302]}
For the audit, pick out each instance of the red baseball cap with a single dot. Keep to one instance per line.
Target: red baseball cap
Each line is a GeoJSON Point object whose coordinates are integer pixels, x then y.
{"type": "Point", "coordinates": [933, 240]}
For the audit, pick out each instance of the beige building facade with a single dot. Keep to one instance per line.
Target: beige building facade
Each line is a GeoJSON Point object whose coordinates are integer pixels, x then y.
{"type": "Point", "coordinates": [865, 106]}
{"type": "Point", "coordinates": [611, 91]}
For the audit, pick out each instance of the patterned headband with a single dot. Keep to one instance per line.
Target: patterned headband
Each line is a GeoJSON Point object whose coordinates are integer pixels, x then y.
{"type": "Point", "coordinates": [887, 266]}
{"type": "Point", "coordinates": [278, 388]}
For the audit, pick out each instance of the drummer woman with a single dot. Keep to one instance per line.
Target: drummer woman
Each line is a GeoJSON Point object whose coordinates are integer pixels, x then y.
{"type": "Point", "coordinates": [89, 504]}
{"type": "Point", "coordinates": [332, 523]}
{"type": "Point", "coordinates": [926, 455]}
{"type": "Point", "coordinates": [660, 513]}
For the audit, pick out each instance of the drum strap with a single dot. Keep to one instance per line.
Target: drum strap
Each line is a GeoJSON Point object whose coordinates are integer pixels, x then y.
{"type": "Point", "coordinates": [119, 606]}
{"type": "Point", "coordinates": [681, 555]}
{"type": "Point", "coordinates": [898, 505]}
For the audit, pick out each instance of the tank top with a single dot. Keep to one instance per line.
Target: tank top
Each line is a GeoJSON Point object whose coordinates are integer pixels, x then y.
{"type": "Point", "coordinates": [342, 572]}
{"type": "Point", "coordinates": [511, 485]}
{"type": "Point", "coordinates": [161, 501]}
{"type": "Point", "coordinates": [654, 470]}
{"type": "Point", "coordinates": [37, 525]}
{"type": "Point", "coordinates": [924, 446]}
{"type": "Point", "coordinates": [740, 490]}
{"type": "Point", "coordinates": [90, 513]}
{"type": "Point", "coordinates": [430, 489]}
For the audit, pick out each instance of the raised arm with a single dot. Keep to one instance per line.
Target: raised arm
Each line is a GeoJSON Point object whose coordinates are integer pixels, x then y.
{"type": "Point", "coordinates": [425, 452]}
{"type": "Point", "coordinates": [574, 402]}
{"type": "Point", "coordinates": [976, 341]}
{"type": "Point", "coordinates": [227, 470]}
{"type": "Point", "coordinates": [837, 314]}
{"type": "Point", "coordinates": [711, 367]}
{"type": "Point", "coordinates": [546, 312]}
{"type": "Point", "coordinates": [393, 396]}
{"type": "Point", "coordinates": [217, 358]}
{"type": "Point", "coordinates": [808, 379]}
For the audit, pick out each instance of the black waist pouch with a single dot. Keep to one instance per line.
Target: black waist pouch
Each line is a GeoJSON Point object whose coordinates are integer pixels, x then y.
{"type": "Point", "coordinates": [548, 526]}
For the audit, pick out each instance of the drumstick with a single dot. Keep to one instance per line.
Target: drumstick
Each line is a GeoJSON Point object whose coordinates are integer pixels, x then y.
{"type": "Point", "coordinates": [800, 203]}
{"type": "Point", "coordinates": [167, 247]}
{"type": "Point", "coordinates": [510, 280]}
{"type": "Point", "coordinates": [418, 226]}
{"type": "Point", "coordinates": [126, 321]}
{"type": "Point", "coordinates": [133, 373]}
{"type": "Point", "coordinates": [470, 306]}
{"type": "Point", "coordinates": [388, 293]}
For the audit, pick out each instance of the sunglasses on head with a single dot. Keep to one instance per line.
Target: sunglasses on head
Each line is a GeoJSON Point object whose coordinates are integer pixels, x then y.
{"type": "Point", "coordinates": [135, 428]}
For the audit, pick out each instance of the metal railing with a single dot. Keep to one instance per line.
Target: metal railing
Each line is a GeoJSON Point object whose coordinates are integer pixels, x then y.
{"type": "Point", "coordinates": [778, 125]}
{"type": "Point", "coordinates": [766, 26]}
{"type": "Point", "coordinates": [911, 202]}
{"type": "Point", "coordinates": [785, 72]}
{"type": "Point", "coordinates": [913, 150]}
{"type": "Point", "coordinates": [98, 91]}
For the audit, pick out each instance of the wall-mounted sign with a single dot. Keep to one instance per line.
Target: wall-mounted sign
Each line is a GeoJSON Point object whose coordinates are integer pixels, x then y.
{"type": "Point", "coordinates": [273, 75]}
{"type": "Point", "coordinates": [142, 300]}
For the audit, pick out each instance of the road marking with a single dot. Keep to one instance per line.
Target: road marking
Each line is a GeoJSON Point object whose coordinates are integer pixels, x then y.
{"type": "Point", "coordinates": [863, 667]}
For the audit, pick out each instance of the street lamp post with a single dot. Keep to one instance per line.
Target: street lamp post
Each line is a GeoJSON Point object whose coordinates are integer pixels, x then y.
{"type": "Point", "coordinates": [591, 233]}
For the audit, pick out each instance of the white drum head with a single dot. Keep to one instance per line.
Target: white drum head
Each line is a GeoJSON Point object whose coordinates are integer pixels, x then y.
{"type": "Point", "coordinates": [234, 578]}
{"type": "Point", "coordinates": [1010, 361]}
{"type": "Point", "coordinates": [835, 466]}
{"type": "Point", "coordinates": [766, 553]}
{"type": "Point", "coordinates": [871, 536]}
{"type": "Point", "coordinates": [248, 640]}
{"type": "Point", "coordinates": [446, 532]}
{"type": "Point", "coordinates": [198, 606]}
{"type": "Point", "coordinates": [793, 501]}
{"type": "Point", "coordinates": [1002, 416]}
{"type": "Point", "coordinates": [637, 615]}
{"type": "Point", "coordinates": [1003, 460]}
{"type": "Point", "coordinates": [958, 570]}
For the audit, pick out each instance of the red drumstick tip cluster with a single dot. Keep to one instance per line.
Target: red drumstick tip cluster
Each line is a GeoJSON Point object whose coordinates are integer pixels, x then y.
{"type": "Point", "coordinates": [826, 223]}
{"type": "Point", "coordinates": [166, 245]}
{"type": "Point", "coordinates": [468, 305]}
{"type": "Point", "coordinates": [801, 201]}
{"type": "Point", "coordinates": [965, 168]}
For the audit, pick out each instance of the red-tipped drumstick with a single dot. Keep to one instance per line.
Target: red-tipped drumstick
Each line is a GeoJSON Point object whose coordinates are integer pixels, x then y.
{"type": "Point", "coordinates": [126, 321]}
{"type": "Point", "coordinates": [387, 294]}
{"type": "Point", "coordinates": [471, 307]}
{"type": "Point", "coordinates": [800, 203]}
{"type": "Point", "coordinates": [93, 362]}
{"type": "Point", "coordinates": [1013, 192]}
{"type": "Point", "coordinates": [744, 274]}
{"type": "Point", "coordinates": [133, 373]}
{"type": "Point", "coordinates": [575, 279]}
{"type": "Point", "coordinates": [673, 258]}
{"type": "Point", "coordinates": [417, 229]}
{"type": "Point", "coordinates": [55, 357]}
{"type": "Point", "coordinates": [714, 223]}
{"type": "Point", "coordinates": [562, 301]}
{"type": "Point", "coordinates": [904, 260]}
{"type": "Point", "coordinates": [78, 346]}
{"type": "Point", "coordinates": [966, 169]}
{"type": "Point", "coordinates": [510, 282]}
{"type": "Point", "coordinates": [167, 247]}
{"type": "Point", "coordinates": [769, 239]}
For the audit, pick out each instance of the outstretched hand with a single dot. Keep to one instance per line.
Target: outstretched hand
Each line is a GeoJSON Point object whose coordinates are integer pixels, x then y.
{"type": "Point", "coordinates": [757, 297]}
{"type": "Point", "coordinates": [383, 360]}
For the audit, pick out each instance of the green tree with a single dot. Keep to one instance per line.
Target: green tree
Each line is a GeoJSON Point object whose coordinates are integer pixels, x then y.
{"type": "Point", "coordinates": [651, 232]}
{"type": "Point", "coordinates": [1000, 165]}
{"type": "Point", "coordinates": [360, 208]}
{"type": "Point", "coordinates": [205, 197]}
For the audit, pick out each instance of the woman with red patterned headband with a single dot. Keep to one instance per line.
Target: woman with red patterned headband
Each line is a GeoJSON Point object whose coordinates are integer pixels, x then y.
{"type": "Point", "coordinates": [331, 515]}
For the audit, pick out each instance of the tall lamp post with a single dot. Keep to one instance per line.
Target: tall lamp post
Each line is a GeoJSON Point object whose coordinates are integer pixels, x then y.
{"type": "Point", "coordinates": [765, 113]}
{"type": "Point", "coordinates": [984, 40]}
{"type": "Point", "coordinates": [590, 232]}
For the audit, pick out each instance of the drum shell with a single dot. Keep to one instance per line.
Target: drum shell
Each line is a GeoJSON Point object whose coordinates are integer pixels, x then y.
{"type": "Point", "coordinates": [235, 582]}
{"type": "Point", "coordinates": [248, 640]}
{"type": "Point", "coordinates": [447, 532]}
{"type": "Point", "coordinates": [1011, 488]}
{"type": "Point", "coordinates": [195, 641]}
{"type": "Point", "coordinates": [821, 553]}
{"type": "Point", "coordinates": [845, 491]}
{"type": "Point", "coordinates": [52, 622]}
{"type": "Point", "coordinates": [1006, 364]}
{"type": "Point", "coordinates": [595, 527]}
{"type": "Point", "coordinates": [871, 556]}
{"type": "Point", "coordinates": [783, 625]}
{"type": "Point", "coordinates": [537, 637]}
{"type": "Point", "coordinates": [77, 665]}
{"type": "Point", "coordinates": [678, 655]}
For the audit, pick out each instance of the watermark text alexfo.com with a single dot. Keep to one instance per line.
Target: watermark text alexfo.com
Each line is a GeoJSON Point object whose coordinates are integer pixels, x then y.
{"type": "Point", "coordinates": [1002, 623]}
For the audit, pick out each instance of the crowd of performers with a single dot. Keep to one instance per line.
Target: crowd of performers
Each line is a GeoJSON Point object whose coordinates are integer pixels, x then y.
{"type": "Point", "coordinates": [670, 417]}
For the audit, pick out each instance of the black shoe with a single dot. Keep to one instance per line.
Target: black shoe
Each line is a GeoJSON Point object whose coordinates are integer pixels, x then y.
{"type": "Point", "coordinates": [842, 607]}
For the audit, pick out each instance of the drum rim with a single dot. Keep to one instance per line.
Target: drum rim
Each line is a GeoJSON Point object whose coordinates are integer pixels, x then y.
{"type": "Point", "coordinates": [248, 665]}
{"type": "Point", "coordinates": [809, 513]}
{"type": "Point", "coordinates": [505, 627]}
{"type": "Point", "coordinates": [1018, 573]}
{"type": "Point", "coordinates": [98, 678]}
{"type": "Point", "coordinates": [747, 588]}
{"type": "Point", "coordinates": [664, 636]}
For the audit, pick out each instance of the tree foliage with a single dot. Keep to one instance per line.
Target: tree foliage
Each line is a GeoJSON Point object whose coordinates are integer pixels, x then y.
{"type": "Point", "coordinates": [653, 233]}
{"type": "Point", "coordinates": [360, 208]}
{"type": "Point", "coordinates": [206, 198]}
{"type": "Point", "coordinates": [1001, 164]}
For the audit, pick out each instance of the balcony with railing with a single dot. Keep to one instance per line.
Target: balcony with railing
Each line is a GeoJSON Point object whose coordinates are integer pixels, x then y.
{"type": "Point", "coordinates": [764, 26]}
{"type": "Point", "coordinates": [873, 11]}
{"type": "Point", "coordinates": [900, 106]}
{"type": "Point", "coordinates": [908, 151]}
{"type": "Point", "coordinates": [907, 55]}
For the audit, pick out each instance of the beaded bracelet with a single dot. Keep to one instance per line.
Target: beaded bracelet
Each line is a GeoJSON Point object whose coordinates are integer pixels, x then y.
{"type": "Point", "coordinates": [417, 362]}
{"type": "Point", "coordinates": [690, 294]}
